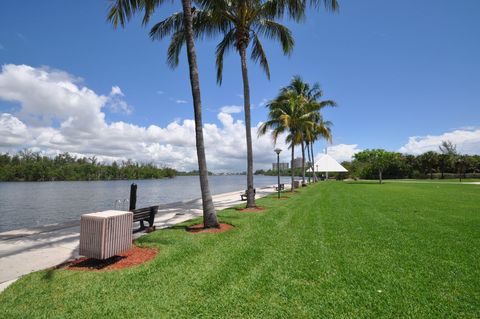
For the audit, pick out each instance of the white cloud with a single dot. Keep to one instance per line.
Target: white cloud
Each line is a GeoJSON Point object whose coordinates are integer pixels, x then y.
{"type": "Point", "coordinates": [230, 109]}
{"type": "Point", "coordinates": [160, 92]}
{"type": "Point", "coordinates": [116, 91]}
{"type": "Point", "coordinates": [181, 101]}
{"type": "Point", "coordinates": [466, 139]}
{"type": "Point", "coordinates": [116, 103]}
{"type": "Point", "coordinates": [12, 131]}
{"type": "Point", "coordinates": [46, 94]}
{"type": "Point", "coordinates": [341, 152]}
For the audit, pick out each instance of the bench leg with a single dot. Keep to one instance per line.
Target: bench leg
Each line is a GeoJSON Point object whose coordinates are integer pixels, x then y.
{"type": "Point", "coordinates": [142, 226]}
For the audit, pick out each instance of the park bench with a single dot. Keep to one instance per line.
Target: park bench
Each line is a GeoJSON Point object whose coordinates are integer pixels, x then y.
{"type": "Point", "coordinates": [146, 214]}
{"type": "Point", "coordinates": [244, 195]}
{"type": "Point", "coordinates": [281, 188]}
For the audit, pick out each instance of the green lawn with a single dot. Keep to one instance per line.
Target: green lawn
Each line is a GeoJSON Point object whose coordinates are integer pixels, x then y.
{"type": "Point", "coordinates": [438, 180]}
{"type": "Point", "coordinates": [334, 250]}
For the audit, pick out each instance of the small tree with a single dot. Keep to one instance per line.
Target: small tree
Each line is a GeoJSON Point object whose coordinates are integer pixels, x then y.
{"type": "Point", "coordinates": [378, 159]}
{"type": "Point", "coordinates": [446, 158]}
{"type": "Point", "coordinates": [461, 165]}
{"type": "Point", "coordinates": [429, 160]}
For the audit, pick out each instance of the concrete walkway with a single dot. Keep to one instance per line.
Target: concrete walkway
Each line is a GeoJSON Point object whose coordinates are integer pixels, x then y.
{"type": "Point", "coordinates": [24, 251]}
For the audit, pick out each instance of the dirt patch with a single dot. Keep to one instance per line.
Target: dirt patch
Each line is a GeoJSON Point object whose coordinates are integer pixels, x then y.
{"type": "Point", "coordinates": [257, 209]}
{"type": "Point", "coordinates": [199, 229]}
{"type": "Point", "coordinates": [129, 258]}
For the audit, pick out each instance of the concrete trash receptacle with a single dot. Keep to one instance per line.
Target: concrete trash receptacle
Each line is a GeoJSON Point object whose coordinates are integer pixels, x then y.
{"type": "Point", "coordinates": [104, 234]}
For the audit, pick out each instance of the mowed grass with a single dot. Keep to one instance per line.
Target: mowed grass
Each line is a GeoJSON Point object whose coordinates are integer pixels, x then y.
{"type": "Point", "coordinates": [335, 249]}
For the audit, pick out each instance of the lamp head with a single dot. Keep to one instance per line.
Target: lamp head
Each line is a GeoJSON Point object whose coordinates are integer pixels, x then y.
{"type": "Point", "coordinates": [277, 150]}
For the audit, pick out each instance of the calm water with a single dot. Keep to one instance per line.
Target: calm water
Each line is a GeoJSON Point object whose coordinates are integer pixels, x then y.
{"type": "Point", "coordinates": [27, 204]}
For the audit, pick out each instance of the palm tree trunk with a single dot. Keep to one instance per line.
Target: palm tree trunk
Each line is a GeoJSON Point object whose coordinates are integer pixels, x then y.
{"type": "Point", "coordinates": [307, 145]}
{"type": "Point", "coordinates": [209, 215]}
{"type": "Point", "coordinates": [248, 131]}
{"type": "Point", "coordinates": [315, 179]}
{"type": "Point", "coordinates": [291, 166]}
{"type": "Point", "coordinates": [303, 163]}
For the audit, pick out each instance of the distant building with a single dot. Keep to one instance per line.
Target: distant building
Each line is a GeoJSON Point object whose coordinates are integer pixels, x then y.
{"type": "Point", "coordinates": [283, 166]}
{"type": "Point", "coordinates": [297, 163]}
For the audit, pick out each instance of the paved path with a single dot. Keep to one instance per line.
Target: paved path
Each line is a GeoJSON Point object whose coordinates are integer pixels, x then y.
{"type": "Point", "coordinates": [24, 251]}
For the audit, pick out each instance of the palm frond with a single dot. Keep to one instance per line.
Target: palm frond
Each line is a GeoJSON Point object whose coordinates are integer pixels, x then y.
{"type": "Point", "coordinates": [276, 31]}
{"type": "Point", "coordinates": [330, 5]}
{"type": "Point", "coordinates": [226, 44]}
{"type": "Point", "coordinates": [121, 11]}
{"type": "Point", "coordinates": [258, 55]}
{"type": "Point", "coordinates": [327, 103]}
{"type": "Point", "coordinates": [295, 9]}
{"type": "Point", "coordinates": [175, 47]}
{"type": "Point", "coordinates": [173, 23]}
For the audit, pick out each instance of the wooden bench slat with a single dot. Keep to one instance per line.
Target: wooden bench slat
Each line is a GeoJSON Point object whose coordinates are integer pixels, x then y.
{"type": "Point", "coordinates": [145, 214]}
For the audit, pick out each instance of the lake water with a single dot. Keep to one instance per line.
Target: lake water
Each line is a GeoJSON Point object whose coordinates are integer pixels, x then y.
{"type": "Point", "coordinates": [27, 204]}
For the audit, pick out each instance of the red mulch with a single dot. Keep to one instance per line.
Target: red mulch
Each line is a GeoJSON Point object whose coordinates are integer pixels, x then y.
{"type": "Point", "coordinates": [132, 257]}
{"type": "Point", "coordinates": [257, 209]}
{"type": "Point", "coordinates": [199, 229]}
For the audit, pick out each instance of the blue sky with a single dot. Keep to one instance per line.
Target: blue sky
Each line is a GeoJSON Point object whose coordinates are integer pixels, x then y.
{"type": "Point", "coordinates": [398, 69]}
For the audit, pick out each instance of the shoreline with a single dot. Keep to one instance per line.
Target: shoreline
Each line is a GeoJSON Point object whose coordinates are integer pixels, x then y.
{"type": "Point", "coordinates": [26, 250]}
{"type": "Point", "coordinates": [35, 204]}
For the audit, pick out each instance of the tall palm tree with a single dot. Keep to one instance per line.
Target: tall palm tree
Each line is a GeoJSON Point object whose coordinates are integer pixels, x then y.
{"type": "Point", "coordinates": [243, 22]}
{"type": "Point", "coordinates": [122, 11]}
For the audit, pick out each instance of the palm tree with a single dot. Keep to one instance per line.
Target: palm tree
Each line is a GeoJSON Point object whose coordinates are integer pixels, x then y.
{"type": "Point", "coordinates": [243, 23]}
{"type": "Point", "coordinates": [287, 114]}
{"type": "Point", "coordinates": [309, 98]}
{"type": "Point", "coordinates": [321, 129]}
{"type": "Point", "coordinates": [429, 161]}
{"type": "Point", "coordinates": [122, 11]}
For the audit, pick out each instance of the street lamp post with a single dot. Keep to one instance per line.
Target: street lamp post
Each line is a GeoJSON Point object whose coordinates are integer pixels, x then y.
{"type": "Point", "coordinates": [277, 150]}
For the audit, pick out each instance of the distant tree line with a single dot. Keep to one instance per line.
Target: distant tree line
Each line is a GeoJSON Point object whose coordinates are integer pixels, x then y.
{"type": "Point", "coordinates": [32, 166]}
{"type": "Point", "coordinates": [283, 172]}
{"type": "Point", "coordinates": [380, 164]}
{"type": "Point", "coordinates": [192, 173]}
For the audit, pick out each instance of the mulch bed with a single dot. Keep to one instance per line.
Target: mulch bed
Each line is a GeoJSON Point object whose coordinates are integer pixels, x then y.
{"type": "Point", "coordinates": [257, 209]}
{"type": "Point", "coordinates": [132, 257]}
{"type": "Point", "coordinates": [199, 229]}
